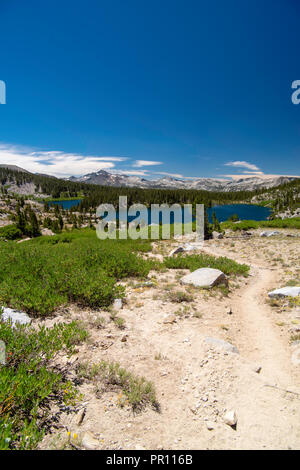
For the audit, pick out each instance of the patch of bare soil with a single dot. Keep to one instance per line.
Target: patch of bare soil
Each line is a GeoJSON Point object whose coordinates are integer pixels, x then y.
{"type": "Point", "coordinates": [196, 382]}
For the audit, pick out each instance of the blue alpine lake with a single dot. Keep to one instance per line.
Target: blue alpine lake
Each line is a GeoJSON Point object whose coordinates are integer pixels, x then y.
{"type": "Point", "coordinates": [66, 204]}
{"type": "Point", "coordinates": [243, 211]}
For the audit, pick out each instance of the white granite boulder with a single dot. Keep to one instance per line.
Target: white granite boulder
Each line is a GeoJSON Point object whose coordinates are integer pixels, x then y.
{"type": "Point", "coordinates": [269, 234]}
{"type": "Point", "coordinates": [205, 277]}
{"type": "Point", "coordinates": [285, 292]}
{"type": "Point", "coordinates": [7, 314]}
{"type": "Point", "coordinates": [189, 247]}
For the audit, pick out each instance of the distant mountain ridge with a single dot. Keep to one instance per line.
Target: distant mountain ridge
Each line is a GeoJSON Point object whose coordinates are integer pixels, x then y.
{"type": "Point", "coordinates": [104, 178]}
{"type": "Point", "coordinates": [14, 168]}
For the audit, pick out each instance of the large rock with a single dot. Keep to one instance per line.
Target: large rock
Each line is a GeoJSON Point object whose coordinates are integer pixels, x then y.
{"type": "Point", "coordinates": [285, 292]}
{"type": "Point", "coordinates": [221, 344]}
{"type": "Point", "coordinates": [205, 277]}
{"type": "Point", "coordinates": [217, 235]}
{"type": "Point", "coordinates": [15, 316]}
{"type": "Point", "coordinates": [246, 234]}
{"type": "Point", "coordinates": [189, 247]}
{"type": "Point", "coordinates": [47, 232]}
{"type": "Point", "coordinates": [177, 250]}
{"type": "Point", "coordinates": [181, 249]}
{"type": "Point", "coordinates": [269, 234]}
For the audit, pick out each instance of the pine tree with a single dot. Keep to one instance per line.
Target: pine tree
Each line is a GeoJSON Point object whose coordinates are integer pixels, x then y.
{"type": "Point", "coordinates": [207, 226]}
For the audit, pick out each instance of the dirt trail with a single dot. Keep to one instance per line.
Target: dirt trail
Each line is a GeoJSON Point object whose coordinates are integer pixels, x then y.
{"type": "Point", "coordinates": [257, 336]}
{"type": "Point", "coordinates": [195, 382]}
{"type": "Point", "coordinates": [259, 340]}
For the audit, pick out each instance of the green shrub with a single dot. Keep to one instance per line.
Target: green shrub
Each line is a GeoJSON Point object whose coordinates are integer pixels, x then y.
{"type": "Point", "coordinates": [76, 267]}
{"type": "Point", "coordinates": [28, 384]}
{"type": "Point", "coordinates": [179, 296]}
{"type": "Point", "coordinates": [193, 262]}
{"type": "Point", "coordinates": [253, 224]}
{"type": "Point", "coordinates": [139, 392]}
{"type": "Point", "coordinates": [10, 232]}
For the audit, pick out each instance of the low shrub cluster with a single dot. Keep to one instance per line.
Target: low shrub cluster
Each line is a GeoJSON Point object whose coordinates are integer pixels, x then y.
{"type": "Point", "coordinates": [10, 232]}
{"type": "Point", "coordinates": [47, 272]}
{"type": "Point", "coordinates": [29, 384]}
{"type": "Point", "coordinates": [193, 262]}
{"type": "Point", "coordinates": [138, 391]}
{"type": "Point", "coordinates": [253, 224]}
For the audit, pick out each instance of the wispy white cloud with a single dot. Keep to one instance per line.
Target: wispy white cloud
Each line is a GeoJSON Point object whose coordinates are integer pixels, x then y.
{"type": "Point", "coordinates": [140, 163]}
{"type": "Point", "coordinates": [56, 163]}
{"type": "Point", "coordinates": [243, 164]}
{"type": "Point", "coordinates": [260, 175]}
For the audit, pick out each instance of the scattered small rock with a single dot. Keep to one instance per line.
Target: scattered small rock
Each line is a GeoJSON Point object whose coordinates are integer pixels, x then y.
{"type": "Point", "coordinates": [219, 343]}
{"type": "Point", "coordinates": [80, 416]}
{"type": "Point", "coordinates": [170, 319]}
{"type": "Point", "coordinates": [177, 250]}
{"type": "Point", "coordinates": [89, 441]}
{"type": "Point", "coordinates": [246, 234]}
{"type": "Point", "coordinates": [217, 235]}
{"type": "Point", "coordinates": [47, 232]}
{"type": "Point", "coordinates": [118, 304]}
{"type": "Point", "coordinates": [230, 418]}
{"type": "Point", "coordinates": [210, 425]}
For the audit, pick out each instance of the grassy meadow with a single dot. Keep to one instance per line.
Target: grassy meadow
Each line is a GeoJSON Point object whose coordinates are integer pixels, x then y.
{"type": "Point", "coordinates": [38, 276]}
{"type": "Point", "coordinates": [293, 223]}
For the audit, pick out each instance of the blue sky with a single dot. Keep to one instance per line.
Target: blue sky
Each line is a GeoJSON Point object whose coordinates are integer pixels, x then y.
{"type": "Point", "coordinates": [187, 88]}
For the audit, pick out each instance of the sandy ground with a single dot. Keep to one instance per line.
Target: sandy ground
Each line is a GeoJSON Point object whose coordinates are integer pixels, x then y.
{"type": "Point", "coordinates": [195, 382]}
